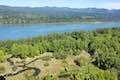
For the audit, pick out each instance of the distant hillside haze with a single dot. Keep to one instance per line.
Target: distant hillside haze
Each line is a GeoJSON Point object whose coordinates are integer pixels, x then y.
{"type": "Point", "coordinates": [56, 9]}
{"type": "Point", "coordinates": [55, 14]}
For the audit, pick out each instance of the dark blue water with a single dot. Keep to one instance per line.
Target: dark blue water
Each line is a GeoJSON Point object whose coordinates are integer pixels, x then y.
{"type": "Point", "coordinates": [26, 31]}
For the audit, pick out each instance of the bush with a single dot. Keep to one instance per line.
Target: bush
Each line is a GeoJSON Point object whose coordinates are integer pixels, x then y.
{"type": "Point", "coordinates": [83, 59]}
{"type": "Point", "coordinates": [46, 64]}
{"type": "Point", "coordinates": [14, 68]}
{"type": "Point", "coordinates": [2, 68]}
{"type": "Point", "coordinates": [60, 55]}
{"type": "Point", "coordinates": [88, 72]}
{"type": "Point", "coordinates": [2, 56]}
{"type": "Point", "coordinates": [107, 60]}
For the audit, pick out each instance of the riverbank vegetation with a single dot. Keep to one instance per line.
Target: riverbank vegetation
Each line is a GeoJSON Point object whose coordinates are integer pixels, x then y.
{"type": "Point", "coordinates": [95, 54]}
{"type": "Point", "coordinates": [54, 20]}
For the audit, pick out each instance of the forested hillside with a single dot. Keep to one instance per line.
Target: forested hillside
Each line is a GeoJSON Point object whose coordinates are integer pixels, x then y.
{"type": "Point", "coordinates": [99, 61]}
{"type": "Point", "coordinates": [23, 15]}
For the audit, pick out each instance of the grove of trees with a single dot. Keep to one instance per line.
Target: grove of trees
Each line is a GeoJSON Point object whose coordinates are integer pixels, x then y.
{"type": "Point", "coordinates": [105, 42]}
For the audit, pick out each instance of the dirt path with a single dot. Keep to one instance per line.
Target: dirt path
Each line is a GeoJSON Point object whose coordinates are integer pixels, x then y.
{"type": "Point", "coordinates": [24, 68]}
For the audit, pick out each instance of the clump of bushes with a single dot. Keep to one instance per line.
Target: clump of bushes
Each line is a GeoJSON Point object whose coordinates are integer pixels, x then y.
{"type": "Point", "coordinates": [2, 68]}
{"type": "Point", "coordinates": [3, 56]}
{"type": "Point", "coordinates": [60, 55]}
{"type": "Point", "coordinates": [88, 72]}
{"type": "Point", "coordinates": [14, 68]}
{"type": "Point", "coordinates": [83, 59]}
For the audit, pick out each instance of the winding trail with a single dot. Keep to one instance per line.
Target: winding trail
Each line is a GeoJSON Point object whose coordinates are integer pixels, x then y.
{"type": "Point", "coordinates": [24, 66]}
{"type": "Point", "coordinates": [36, 73]}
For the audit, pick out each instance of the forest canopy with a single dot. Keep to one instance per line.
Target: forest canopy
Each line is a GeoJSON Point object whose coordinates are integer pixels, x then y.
{"type": "Point", "coordinates": [104, 44]}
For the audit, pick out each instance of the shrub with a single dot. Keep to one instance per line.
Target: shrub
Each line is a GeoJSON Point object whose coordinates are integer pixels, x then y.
{"type": "Point", "coordinates": [83, 59]}
{"type": "Point", "coordinates": [88, 72]}
{"type": "Point", "coordinates": [2, 56]}
{"type": "Point", "coordinates": [60, 55]}
{"type": "Point", "coordinates": [107, 60]}
{"type": "Point", "coordinates": [2, 68]}
{"type": "Point", "coordinates": [14, 68]}
{"type": "Point", "coordinates": [21, 51]}
{"type": "Point", "coordinates": [46, 64]}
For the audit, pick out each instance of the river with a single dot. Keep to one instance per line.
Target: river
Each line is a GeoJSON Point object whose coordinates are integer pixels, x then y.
{"type": "Point", "coordinates": [18, 31]}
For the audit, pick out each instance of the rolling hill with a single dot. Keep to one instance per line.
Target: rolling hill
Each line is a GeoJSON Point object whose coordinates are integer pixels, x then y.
{"type": "Point", "coordinates": [10, 14]}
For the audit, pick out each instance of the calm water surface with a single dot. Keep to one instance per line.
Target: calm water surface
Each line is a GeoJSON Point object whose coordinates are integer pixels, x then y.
{"type": "Point", "coordinates": [26, 31]}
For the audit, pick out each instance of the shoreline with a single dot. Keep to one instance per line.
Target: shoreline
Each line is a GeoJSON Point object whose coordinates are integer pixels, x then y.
{"type": "Point", "coordinates": [91, 22]}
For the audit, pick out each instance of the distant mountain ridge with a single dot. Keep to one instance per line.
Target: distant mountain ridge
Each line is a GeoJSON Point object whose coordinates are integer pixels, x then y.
{"type": "Point", "coordinates": [55, 13]}
{"type": "Point", "coordinates": [46, 8]}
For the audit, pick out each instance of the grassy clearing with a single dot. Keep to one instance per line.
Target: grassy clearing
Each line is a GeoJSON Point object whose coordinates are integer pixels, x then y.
{"type": "Point", "coordinates": [46, 63]}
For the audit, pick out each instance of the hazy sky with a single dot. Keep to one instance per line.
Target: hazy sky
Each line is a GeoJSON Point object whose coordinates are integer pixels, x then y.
{"type": "Point", "coordinates": [110, 4]}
